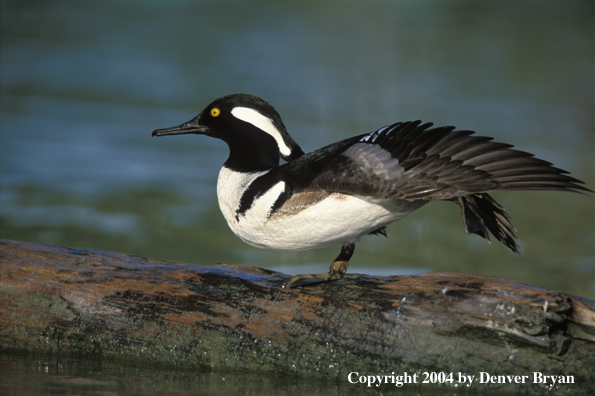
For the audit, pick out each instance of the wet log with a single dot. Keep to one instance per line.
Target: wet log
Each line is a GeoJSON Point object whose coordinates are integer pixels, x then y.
{"type": "Point", "coordinates": [229, 316]}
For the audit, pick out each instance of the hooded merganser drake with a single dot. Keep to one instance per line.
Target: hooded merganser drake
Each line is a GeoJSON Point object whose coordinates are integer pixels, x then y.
{"type": "Point", "coordinates": [357, 186]}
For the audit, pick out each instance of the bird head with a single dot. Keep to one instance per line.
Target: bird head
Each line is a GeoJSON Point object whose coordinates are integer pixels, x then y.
{"type": "Point", "coordinates": [250, 126]}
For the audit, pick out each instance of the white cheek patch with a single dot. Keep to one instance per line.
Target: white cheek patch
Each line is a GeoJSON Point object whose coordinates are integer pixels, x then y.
{"type": "Point", "coordinates": [261, 122]}
{"type": "Point", "coordinates": [374, 159]}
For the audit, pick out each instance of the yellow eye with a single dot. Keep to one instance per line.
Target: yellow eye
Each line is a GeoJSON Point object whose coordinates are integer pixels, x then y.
{"type": "Point", "coordinates": [215, 112]}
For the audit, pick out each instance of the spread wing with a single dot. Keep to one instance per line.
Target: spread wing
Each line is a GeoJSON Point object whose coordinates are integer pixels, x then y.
{"type": "Point", "coordinates": [410, 161]}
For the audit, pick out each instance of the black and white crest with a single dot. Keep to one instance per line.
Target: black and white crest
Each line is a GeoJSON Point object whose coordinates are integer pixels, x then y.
{"type": "Point", "coordinates": [259, 113]}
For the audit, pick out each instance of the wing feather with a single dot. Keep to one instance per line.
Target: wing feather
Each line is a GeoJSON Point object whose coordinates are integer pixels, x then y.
{"type": "Point", "coordinates": [411, 160]}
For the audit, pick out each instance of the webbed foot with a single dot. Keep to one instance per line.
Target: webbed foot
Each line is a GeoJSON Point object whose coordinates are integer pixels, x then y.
{"type": "Point", "coordinates": [336, 271]}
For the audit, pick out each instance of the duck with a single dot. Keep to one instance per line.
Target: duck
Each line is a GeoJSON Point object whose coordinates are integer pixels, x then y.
{"type": "Point", "coordinates": [359, 185]}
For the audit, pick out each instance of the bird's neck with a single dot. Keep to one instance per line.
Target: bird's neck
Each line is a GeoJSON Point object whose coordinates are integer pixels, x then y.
{"type": "Point", "coordinates": [247, 156]}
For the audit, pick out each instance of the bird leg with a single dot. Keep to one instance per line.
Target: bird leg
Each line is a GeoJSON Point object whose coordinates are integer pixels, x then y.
{"type": "Point", "coordinates": [336, 271]}
{"type": "Point", "coordinates": [339, 266]}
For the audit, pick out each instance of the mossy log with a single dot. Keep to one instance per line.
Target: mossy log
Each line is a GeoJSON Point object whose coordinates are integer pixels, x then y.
{"type": "Point", "coordinates": [230, 316]}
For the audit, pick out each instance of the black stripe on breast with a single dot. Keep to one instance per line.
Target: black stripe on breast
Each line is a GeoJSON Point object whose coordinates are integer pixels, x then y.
{"type": "Point", "coordinates": [258, 188]}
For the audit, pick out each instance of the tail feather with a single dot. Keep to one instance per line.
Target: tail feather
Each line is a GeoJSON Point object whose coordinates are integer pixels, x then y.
{"type": "Point", "coordinates": [482, 213]}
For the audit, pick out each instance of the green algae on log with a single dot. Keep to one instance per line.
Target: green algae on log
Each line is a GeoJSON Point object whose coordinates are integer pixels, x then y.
{"type": "Point", "coordinates": [229, 316]}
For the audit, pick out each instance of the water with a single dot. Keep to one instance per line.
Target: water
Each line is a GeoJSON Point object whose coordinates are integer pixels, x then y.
{"type": "Point", "coordinates": [58, 375]}
{"type": "Point", "coordinates": [83, 85]}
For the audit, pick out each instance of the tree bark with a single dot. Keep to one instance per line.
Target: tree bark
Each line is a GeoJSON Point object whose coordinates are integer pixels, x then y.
{"type": "Point", "coordinates": [230, 316]}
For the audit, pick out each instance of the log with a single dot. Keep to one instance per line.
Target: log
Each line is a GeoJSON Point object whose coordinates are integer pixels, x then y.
{"type": "Point", "coordinates": [229, 316]}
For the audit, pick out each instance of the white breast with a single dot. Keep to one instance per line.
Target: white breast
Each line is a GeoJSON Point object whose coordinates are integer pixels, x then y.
{"type": "Point", "coordinates": [231, 185]}
{"type": "Point", "coordinates": [333, 220]}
